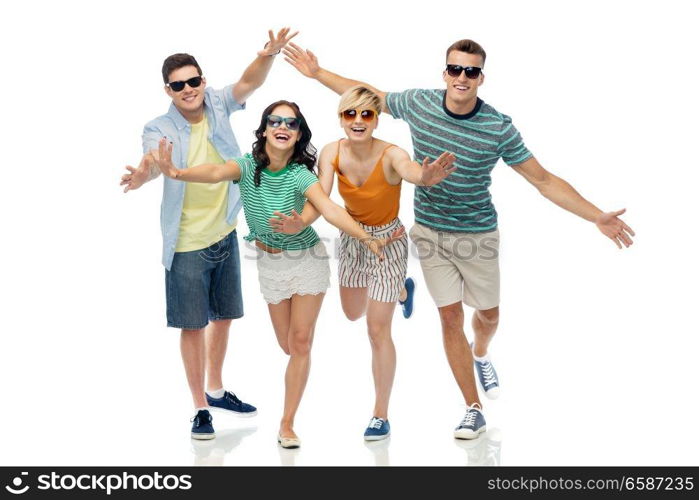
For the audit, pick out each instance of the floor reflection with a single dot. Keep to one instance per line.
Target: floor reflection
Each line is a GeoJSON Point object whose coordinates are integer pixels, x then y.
{"type": "Point", "coordinates": [380, 450]}
{"type": "Point", "coordinates": [485, 450]}
{"type": "Point", "coordinates": [214, 451]}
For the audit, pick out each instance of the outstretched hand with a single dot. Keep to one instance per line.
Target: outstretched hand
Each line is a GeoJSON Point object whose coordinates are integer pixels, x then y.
{"type": "Point", "coordinates": [164, 159]}
{"type": "Point", "coordinates": [276, 44]}
{"type": "Point", "coordinates": [137, 176]}
{"type": "Point", "coordinates": [304, 61]}
{"type": "Point", "coordinates": [614, 228]}
{"type": "Point", "coordinates": [287, 224]}
{"type": "Point", "coordinates": [438, 170]}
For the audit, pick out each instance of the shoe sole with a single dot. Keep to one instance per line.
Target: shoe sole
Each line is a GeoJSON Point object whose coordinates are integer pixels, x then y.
{"type": "Point", "coordinates": [202, 437]}
{"type": "Point", "coordinates": [376, 438]}
{"type": "Point", "coordinates": [491, 394]}
{"type": "Point", "coordinates": [288, 446]}
{"type": "Point", "coordinates": [231, 412]}
{"type": "Point", "coordinates": [473, 435]}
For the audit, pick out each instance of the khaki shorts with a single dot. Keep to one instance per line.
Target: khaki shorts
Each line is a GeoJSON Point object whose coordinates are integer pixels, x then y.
{"type": "Point", "coordinates": [459, 266]}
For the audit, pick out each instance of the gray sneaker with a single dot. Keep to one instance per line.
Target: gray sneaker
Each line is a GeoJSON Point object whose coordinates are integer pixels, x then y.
{"type": "Point", "coordinates": [488, 377]}
{"type": "Point", "coordinates": [472, 424]}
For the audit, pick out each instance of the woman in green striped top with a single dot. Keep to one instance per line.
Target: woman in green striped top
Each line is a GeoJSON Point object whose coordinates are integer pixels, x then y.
{"type": "Point", "coordinates": [292, 268]}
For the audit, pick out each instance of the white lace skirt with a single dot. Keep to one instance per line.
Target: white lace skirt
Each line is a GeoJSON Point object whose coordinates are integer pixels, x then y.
{"type": "Point", "coordinates": [302, 272]}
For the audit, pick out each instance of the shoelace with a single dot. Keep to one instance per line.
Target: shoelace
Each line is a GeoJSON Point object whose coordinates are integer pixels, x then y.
{"type": "Point", "coordinates": [233, 398]}
{"type": "Point", "coordinates": [469, 419]}
{"type": "Point", "coordinates": [376, 423]}
{"type": "Point", "coordinates": [488, 374]}
{"type": "Point", "coordinates": [199, 420]}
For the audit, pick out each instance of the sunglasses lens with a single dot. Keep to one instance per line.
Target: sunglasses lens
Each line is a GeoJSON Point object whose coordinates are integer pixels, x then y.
{"type": "Point", "coordinates": [472, 72]}
{"type": "Point", "coordinates": [194, 82]}
{"type": "Point", "coordinates": [349, 114]}
{"type": "Point", "coordinates": [454, 70]}
{"type": "Point", "coordinates": [368, 115]}
{"type": "Point", "coordinates": [274, 121]}
{"type": "Point", "coordinates": [176, 86]}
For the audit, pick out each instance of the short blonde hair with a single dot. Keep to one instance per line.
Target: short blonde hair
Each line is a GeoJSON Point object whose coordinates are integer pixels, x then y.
{"type": "Point", "coordinates": [359, 97]}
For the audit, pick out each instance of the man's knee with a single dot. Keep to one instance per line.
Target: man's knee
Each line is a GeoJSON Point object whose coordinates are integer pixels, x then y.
{"type": "Point", "coordinates": [488, 316]}
{"type": "Point", "coordinates": [452, 317]}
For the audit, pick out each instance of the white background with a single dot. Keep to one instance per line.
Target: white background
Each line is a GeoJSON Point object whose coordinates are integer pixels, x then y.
{"type": "Point", "coordinates": [596, 350]}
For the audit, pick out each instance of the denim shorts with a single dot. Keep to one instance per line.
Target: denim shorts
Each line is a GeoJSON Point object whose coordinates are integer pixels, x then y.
{"type": "Point", "coordinates": [204, 285]}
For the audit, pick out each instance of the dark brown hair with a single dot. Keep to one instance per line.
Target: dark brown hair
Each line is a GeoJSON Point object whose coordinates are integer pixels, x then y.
{"type": "Point", "coordinates": [177, 61]}
{"type": "Point", "coordinates": [304, 152]}
{"type": "Point", "coordinates": [468, 46]}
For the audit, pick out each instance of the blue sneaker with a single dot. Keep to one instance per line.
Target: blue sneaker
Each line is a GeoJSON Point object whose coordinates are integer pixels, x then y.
{"type": "Point", "coordinates": [202, 427]}
{"type": "Point", "coordinates": [230, 403]}
{"type": "Point", "coordinates": [472, 424]}
{"type": "Point", "coordinates": [487, 376]}
{"type": "Point", "coordinates": [378, 429]}
{"type": "Point", "coordinates": [407, 305]}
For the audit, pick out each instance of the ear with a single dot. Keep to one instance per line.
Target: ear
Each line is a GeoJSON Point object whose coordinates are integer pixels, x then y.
{"type": "Point", "coordinates": [168, 91]}
{"type": "Point", "coordinates": [481, 79]}
{"type": "Point", "coordinates": [444, 76]}
{"type": "Point", "coordinates": [203, 81]}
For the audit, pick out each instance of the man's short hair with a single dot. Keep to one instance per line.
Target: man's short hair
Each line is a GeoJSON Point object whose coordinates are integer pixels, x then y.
{"type": "Point", "coordinates": [468, 46]}
{"type": "Point", "coordinates": [177, 61]}
{"type": "Point", "coordinates": [359, 97]}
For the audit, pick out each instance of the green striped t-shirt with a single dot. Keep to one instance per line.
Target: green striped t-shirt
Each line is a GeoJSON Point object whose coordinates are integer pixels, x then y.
{"type": "Point", "coordinates": [461, 202]}
{"type": "Point", "coordinates": [283, 191]}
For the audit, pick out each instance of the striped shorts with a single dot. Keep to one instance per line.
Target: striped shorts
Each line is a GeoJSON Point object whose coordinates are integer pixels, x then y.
{"type": "Point", "coordinates": [360, 268]}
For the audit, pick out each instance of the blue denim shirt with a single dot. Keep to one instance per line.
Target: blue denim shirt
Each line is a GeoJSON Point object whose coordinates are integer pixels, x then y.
{"type": "Point", "coordinates": [218, 106]}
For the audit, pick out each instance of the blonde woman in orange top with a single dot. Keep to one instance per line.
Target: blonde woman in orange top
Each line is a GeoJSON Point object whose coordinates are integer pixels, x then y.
{"type": "Point", "coordinates": [369, 173]}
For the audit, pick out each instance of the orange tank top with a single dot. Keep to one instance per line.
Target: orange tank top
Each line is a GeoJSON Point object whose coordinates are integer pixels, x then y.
{"type": "Point", "coordinates": [374, 203]}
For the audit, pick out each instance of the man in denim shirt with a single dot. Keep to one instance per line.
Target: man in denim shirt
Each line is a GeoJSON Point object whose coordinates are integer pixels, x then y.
{"type": "Point", "coordinates": [200, 247]}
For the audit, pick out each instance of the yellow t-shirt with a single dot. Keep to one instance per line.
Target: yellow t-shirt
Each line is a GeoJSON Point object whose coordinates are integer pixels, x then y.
{"type": "Point", "coordinates": [203, 221]}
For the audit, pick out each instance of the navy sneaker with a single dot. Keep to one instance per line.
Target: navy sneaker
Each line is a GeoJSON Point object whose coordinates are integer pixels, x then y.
{"type": "Point", "coordinates": [407, 304]}
{"type": "Point", "coordinates": [230, 403]}
{"type": "Point", "coordinates": [202, 427]}
{"type": "Point", "coordinates": [472, 424]}
{"type": "Point", "coordinates": [488, 377]}
{"type": "Point", "coordinates": [378, 429]}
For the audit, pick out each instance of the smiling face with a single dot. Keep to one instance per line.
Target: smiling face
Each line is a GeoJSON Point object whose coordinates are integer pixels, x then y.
{"type": "Point", "coordinates": [281, 137]}
{"type": "Point", "coordinates": [462, 91]}
{"type": "Point", "coordinates": [190, 100]}
{"type": "Point", "coordinates": [359, 124]}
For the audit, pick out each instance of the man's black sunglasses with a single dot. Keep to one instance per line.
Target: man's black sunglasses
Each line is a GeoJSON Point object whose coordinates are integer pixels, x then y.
{"type": "Point", "coordinates": [472, 72]}
{"type": "Point", "coordinates": [179, 85]}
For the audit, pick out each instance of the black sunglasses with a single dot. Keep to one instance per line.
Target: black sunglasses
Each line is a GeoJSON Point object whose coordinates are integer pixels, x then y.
{"type": "Point", "coordinates": [291, 123]}
{"type": "Point", "coordinates": [472, 72]}
{"type": "Point", "coordinates": [179, 85]}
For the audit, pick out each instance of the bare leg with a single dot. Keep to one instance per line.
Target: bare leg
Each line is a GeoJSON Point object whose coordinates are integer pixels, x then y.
{"type": "Point", "coordinates": [383, 359]}
{"type": "Point", "coordinates": [304, 313]}
{"type": "Point", "coordinates": [354, 302]}
{"type": "Point", "coordinates": [192, 347]}
{"type": "Point", "coordinates": [458, 351]}
{"type": "Point", "coordinates": [281, 317]}
{"type": "Point", "coordinates": [216, 346]}
{"type": "Point", "coordinates": [484, 323]}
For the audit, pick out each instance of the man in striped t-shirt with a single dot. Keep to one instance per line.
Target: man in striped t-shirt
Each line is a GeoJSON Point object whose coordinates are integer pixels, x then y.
{"type": "Point", "coordinates": [456, 224]}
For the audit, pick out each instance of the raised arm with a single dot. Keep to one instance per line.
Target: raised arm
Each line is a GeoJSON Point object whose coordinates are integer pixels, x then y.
{"type": "Point", "coordinates": [295, 222]}
{"type": "Point", "coordinates": [229, 171]}
{"type": "Point", "coordinates": [427, 174]}
{"type": "Point", "coordinates": [306, 63]}
{"type": "Point", "coordinates": [565, 196]}
{"type": "Point", "coordinates": [255, 74]}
